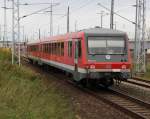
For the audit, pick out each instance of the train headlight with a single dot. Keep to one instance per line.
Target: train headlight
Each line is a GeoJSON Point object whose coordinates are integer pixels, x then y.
{"type": "Point", "coordinates": [92, 66]}
{"type": "Point", "coordinates": [124, 66]}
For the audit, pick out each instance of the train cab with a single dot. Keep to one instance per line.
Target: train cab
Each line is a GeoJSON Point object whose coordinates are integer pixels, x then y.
{"type": "Point", "coordinates": [107, 56]}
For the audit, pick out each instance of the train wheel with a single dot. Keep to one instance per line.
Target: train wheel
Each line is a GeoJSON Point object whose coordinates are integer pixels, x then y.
{"type": "Point", "coordinates": [107, 82]}
{"type": "Point", "coordinates": [31, 61]}
{"type": "Point", "coordinates": [83, 82]}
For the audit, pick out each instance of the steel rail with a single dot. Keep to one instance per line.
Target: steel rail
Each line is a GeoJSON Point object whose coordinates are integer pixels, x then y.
{"type": "Point", "coordinates": [139, 84]}
{"type": "Point", "coordinates": [140, 79]}
{"type": "Point", "coordinates": [124, 103]}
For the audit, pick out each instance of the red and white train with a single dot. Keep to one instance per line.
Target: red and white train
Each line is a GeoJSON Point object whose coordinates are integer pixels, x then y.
{"type": "Point", "coordinates": [97, 55]}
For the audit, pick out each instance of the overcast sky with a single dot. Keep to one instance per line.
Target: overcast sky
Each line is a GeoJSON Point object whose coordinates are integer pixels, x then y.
{"type": "Point", "coordinates": [82, 12]}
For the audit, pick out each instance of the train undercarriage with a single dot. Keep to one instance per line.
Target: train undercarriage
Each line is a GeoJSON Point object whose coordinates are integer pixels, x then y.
{"type": "Point", "coordinates": [106, 79]}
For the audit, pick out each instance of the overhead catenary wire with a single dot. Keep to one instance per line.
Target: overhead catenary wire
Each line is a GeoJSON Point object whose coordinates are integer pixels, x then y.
{"type": "Point", "coordinates": [24, 4]}
{"type": "Point", "coordinates": [63, 16]}
{"type": "Point", "coordinates": [75, 10]}
{"type": "Point", "coordinates": [117, 14]}
{"type": "Point", "coordinates": [36, 12]}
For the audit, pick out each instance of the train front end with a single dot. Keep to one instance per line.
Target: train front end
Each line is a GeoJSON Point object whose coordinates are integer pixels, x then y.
{"type": "Point", "coordinates": [108, 56]}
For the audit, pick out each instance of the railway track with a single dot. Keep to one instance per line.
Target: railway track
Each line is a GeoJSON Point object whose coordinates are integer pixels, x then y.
{"type": "Point", "coordinates": [139, 79]}
{"type": "Point", "coordinates": [138, 82]}
{"type": "Point", "coordinates": [129, 105]}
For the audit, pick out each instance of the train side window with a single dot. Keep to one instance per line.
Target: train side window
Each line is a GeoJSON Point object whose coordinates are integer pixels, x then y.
{"type": "Point", "coordinates": [52, 48]}
{"type": "Point", "coordinates": [35, 47]}
{"type": "Point", "coordinates": [30, 48]}
{"type": "Point", "coordinates": [62, 49]}
{"type": "Point", "coordinates": [79, 49]}
{"type": "Point", "coordinates": [70, 48]}
{"type": "Point", "coordinates": [46, 48]}
{"type": "Point", "coordinates": [55, 48]}
{"type": "Point", "coordinates": [42, 48]}
{"type": "Point", "coordinates": [59, 49]}
{"type": "Point", "coordinates": [49, 47]}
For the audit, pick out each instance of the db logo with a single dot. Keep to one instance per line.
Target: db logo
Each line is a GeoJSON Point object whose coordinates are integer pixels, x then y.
{"type": "Point", "coordinates": [108, 57]}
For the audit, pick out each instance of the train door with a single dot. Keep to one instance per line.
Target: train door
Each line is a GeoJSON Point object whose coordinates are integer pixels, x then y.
{"type": "Point", "coordinates": [76, 59]}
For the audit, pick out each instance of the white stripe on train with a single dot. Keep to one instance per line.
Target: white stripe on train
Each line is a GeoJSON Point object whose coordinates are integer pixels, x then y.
{"type": "Point", "coordinates": [81, 70]}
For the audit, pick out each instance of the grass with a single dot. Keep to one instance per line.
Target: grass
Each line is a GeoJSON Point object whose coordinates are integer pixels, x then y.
{"type": "Point", "coordinates": [147, 74]}
{"type": "Point", "coordinates": [23, 94]}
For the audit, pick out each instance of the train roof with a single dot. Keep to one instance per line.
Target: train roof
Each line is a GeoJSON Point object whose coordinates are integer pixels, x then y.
{"type": "Point", "coordinates": [103, 31]}
{"type": "Point", "coordinates": [88, 32]}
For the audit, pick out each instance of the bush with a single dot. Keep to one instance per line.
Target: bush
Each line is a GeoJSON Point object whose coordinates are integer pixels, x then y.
{"type": "Point", "coordinates": [24, 95]}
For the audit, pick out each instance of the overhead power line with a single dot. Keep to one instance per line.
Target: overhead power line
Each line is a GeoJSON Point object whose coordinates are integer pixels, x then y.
{"type": "Point", "coordinates": [116, 14]}
{"type": "Point", "coordinates": [82, 6]}
{"type": "Point", "coordinates": [61, 17]}
{"type": "Point", "coordinates": [35, 3]}
{"type": "Point", "coordinates": [36, 12]}
{"type": "Point", "coordinates": [76, 9]}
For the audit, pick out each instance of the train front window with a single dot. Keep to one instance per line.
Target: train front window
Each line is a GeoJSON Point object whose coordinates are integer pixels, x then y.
{"type": "Point", "coordinates": [106, 45]}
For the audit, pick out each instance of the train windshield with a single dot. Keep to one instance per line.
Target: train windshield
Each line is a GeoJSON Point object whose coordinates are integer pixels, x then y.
{"type": "Point", "coordinates": [106, 45]}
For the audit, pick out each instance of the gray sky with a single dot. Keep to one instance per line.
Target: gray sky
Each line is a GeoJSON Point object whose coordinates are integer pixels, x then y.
{"type": "Point", "coordinates": [84, 12]}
